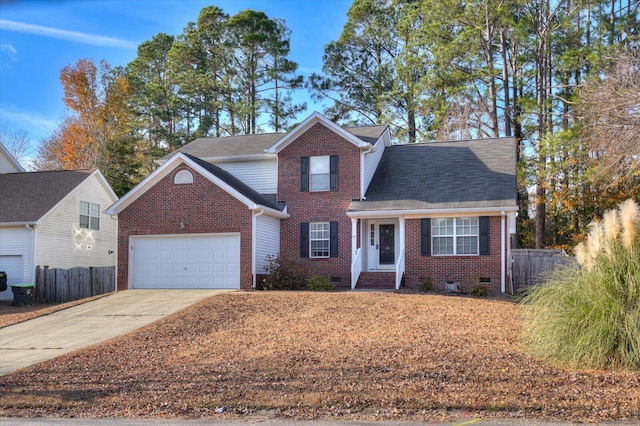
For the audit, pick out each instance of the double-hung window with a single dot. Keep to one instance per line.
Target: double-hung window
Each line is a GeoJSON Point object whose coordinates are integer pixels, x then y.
{"type": "Point", "coordinates": [455, 236]}
{"type": "Point", "coordinates": [89, 215]}
{"type": "Point", "coordinates": [319, 173]}
{"type": "Point", "coordinates": [319, 239]}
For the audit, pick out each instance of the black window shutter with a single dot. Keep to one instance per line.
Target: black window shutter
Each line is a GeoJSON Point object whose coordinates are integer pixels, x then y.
{"type": "Point", "coordinates": [425, 237]}
{"type": "Point", "coordinates": [333, 239]}
{"type": "Point", "coordinates": [483, 224]}
{"type": "Point", "coordinates": [333, 172]}
{"type": "Point", "coordinates": [304, 173]}
{"type": "Point", "coordinates": [304, 239]}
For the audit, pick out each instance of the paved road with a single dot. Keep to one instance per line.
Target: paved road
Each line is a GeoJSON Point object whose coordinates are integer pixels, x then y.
{"type": "Point", "coordinates": [49, 336]}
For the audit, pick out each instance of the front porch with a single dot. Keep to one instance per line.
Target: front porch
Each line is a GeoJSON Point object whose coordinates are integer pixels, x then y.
{"type": "Point", "coordinates": [378, 254]}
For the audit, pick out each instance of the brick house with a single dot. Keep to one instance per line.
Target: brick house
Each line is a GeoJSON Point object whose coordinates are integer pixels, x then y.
{"type": "Point", "coordinates": [343, 203]}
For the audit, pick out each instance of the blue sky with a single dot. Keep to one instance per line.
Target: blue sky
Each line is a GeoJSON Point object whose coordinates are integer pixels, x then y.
{"type": "Point", "coordinates": [38, 38]}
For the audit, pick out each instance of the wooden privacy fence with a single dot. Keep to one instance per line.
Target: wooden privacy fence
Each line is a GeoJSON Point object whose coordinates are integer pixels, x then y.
{"type": "Point", "coordinates": [531, 266]}
{"type": "Point", "coordinates": [65, 285]}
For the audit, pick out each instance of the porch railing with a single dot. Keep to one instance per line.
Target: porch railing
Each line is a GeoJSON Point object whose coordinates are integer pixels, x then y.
{"type": "Point", "coordinates": [356, 268]}
{"type": "Point", "coordinates": [399, 269]}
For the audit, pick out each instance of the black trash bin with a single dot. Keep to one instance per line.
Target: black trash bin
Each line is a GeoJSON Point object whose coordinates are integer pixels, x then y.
{"type": "Point", "coordinates": [3, 280]}
{"type": "Point", "coordinates": [22, 294]}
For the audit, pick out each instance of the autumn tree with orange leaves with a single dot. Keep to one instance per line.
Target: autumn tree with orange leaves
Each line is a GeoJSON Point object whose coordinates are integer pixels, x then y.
{"type": "Point", "coordinates": [100, 130]}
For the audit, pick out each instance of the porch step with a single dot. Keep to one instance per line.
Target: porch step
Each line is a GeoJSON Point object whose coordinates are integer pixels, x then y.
{"type": "Point", "coordinates": [377, 280]}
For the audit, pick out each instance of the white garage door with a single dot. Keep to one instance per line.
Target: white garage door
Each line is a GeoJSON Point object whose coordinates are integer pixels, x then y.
{"type": "Point", "coordinates": [12, 265]}
{"type": "Point", "coordinates": [181, 261]}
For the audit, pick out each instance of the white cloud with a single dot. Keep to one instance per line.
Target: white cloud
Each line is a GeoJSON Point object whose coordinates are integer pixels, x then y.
{"type": "Point", "coordinates": [35, 124]}
{"type": "Point", "coordinates": [73, 36]}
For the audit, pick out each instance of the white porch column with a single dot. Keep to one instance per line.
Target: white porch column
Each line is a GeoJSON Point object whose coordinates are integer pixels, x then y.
{"type": "Point", "coordinates": [354, 237]}
{"type": "Point", "coordinates": [402, 232]}
{"type": "Point", "coordinates": [503, 260]}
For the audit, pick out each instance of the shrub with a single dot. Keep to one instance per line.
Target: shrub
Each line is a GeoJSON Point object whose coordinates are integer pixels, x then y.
{"type": "Point", "coordinates": [281, 274]}
{"type": "Point", "coordinates": [589, 316]}
{"type": "Point", "coordinates": [478, 290]}
{"type": "Point", "coordinates": [318, 283]}
{"type": "Point", "coordinates": [426, 285]}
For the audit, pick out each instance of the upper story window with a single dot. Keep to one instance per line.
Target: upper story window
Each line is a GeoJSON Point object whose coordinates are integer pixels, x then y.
{"type": "Point", "coordinates": [455, 236]}
{"type": "Point", "coordinates": [183, 177]}
{"type": "Point", "coordinates": [89, 215]}
{"type": "Point", "coordinates": [319, 173]}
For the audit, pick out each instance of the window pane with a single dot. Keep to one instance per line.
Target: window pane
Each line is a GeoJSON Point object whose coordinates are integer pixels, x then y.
{"type": "Point", "coordinates": [320, 248]}
{"type": "Point", "coordinates": [319, 182]}
{"type": "Point", "coordinates": [95, 210]}
{"type": "Point", "coordinates": [467, 226]}
{"type": "Point", "coordinates": [95, 223]}
{"type": "Point", "coordinates": [84, 208]}
{"type": "Point", "coordinates": [443, 226]}
{"type": "Point", "coordinates": [442, 245]}
{"type": "Point", "coordinates": [84, 221]}
{"type": "Point", "coordinates": [319, 164]}
{"type": "Point", "coordinates": [319, 239]}
{"type": "Point", "coordinates": [467, 245]}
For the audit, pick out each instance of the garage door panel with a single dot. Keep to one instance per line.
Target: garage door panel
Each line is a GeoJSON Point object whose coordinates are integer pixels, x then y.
{"type": "Point", "coordinates": [186, 261]}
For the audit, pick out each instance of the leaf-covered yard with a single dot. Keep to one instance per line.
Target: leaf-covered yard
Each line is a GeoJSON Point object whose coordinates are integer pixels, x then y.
{"type": "Point", "coordinates": [308, 355]}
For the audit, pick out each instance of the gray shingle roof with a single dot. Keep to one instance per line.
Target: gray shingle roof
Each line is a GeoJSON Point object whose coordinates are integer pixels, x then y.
{"type": "Point", "coordinates": [26, 197]}
{"type": "Point", "coordinates": [237, 184]}
{"type": "Point", "coordinates": [444, 175]}
{"type": "Point", "coordinates": [241, 145]}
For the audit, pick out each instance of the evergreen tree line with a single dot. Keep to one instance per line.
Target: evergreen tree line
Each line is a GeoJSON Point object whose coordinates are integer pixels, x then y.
{"type": "Point", "coordinates": [536, 70]}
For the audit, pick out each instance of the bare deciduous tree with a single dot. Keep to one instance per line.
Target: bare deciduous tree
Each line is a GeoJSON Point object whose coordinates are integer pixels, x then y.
{"type": "Point", "coordinates": [17, 142]}
{"type": "Point", "coordinates": [610, 113]}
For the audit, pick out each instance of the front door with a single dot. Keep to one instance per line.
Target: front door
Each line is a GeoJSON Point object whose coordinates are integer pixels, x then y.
{"type": "Point", "coordinates": [382, 246]}
{"type": "Point", "coordinates": [387, 244]}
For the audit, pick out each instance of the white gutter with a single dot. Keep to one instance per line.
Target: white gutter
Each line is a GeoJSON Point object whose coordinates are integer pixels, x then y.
{"type": "Point", "coordinates": [32, 228]}
{"type": "Point", "coordinates": [12, 224]}
{"type": "Point", "coordinates": [502, 252]}
{"type": "Point", "coordinates": [253, 244]}
{"type": "Point", "coordinates": [416, 213]}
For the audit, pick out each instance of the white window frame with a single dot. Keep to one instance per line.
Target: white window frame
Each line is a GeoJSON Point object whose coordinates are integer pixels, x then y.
{"type": "Point", "coordinates": [91, 213]}
{"type": "Point", "coordinates": [317, 233]}
{"type": "Point", "coordinates": [319, 169]}
{"type": "Point", "coordinates": [458, 226]}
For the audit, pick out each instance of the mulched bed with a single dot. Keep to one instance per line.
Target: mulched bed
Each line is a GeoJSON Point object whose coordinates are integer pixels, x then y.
{"type": "Point", "coordinates": [356, 356]}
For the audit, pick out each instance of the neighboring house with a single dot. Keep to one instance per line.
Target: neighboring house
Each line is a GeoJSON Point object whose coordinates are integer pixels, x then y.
{"type": "Point", "coordinates": [342, 202]}
{"type": "Point", "coordinates": [54, 219]}
{"type": "Point", "coordinates": [8, 164]}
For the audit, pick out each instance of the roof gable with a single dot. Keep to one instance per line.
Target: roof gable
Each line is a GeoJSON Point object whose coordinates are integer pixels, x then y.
{"type": "Point", "coordinates": [8, 164]}
{"type": "Point", "coordinates": [444, 175]}
{"type": "Point", "coordinates": [27, 197]}
{"type": "Point", "coordinates": [215, 174]}
{"type": "Point", "coordinates": [313, 119]}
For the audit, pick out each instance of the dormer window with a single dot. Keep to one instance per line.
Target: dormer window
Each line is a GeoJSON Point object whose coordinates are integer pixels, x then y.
{"type": "Point", "coordinates": [319, 173]}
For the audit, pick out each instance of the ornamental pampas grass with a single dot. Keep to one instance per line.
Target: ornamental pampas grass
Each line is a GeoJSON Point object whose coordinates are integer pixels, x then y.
{"type": "Point", "coordinates": [630, 221]}
{"type": "Point", "coordinates": [589, 316]}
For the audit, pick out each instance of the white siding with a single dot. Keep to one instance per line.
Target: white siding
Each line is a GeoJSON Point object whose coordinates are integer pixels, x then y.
{"type": "Point", "coordinates": [260, 175]}
{"type": "Point", "coordinates": [371, 161]}
{"type": "Point", "coordinates": [61, 243]}
{"type": "Point", "coordinates": [16, 243]}
{"type": "Point", "coordinates": [6, 166]}
{"type": "Point", "coordinates": [267, 240]}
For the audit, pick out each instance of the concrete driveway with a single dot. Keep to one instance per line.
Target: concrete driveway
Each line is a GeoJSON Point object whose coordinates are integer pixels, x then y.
{"type": "Point", "coordinates": [49, 336]}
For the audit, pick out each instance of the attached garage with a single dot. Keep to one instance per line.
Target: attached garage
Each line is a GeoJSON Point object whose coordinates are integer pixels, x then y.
{"type": "Point", "coordinates": [195, 261]}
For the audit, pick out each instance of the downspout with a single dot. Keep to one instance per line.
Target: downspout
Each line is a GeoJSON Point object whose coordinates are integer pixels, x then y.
{"type": "Point", "coordinates": [362, 153]}
{"type": "Point", "coordinates": [253, 245]}
{"type": "Point", "coordinates": [32, 228]}
{"type": "Point", "coordinates": [502, 253]}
